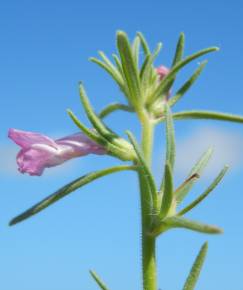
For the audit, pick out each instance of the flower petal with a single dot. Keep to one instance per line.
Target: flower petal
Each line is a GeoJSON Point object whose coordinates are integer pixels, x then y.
{"type": "Point", "coordinates": [39, 152]}
{"type": "Point", "coordinates": [81, 145]}
{"type": "Point", "coordinates": [25, 139]}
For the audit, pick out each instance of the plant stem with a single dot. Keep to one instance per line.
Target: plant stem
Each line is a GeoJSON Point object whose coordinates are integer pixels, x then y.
{"type": "Point", "coordinates": [148, 243]}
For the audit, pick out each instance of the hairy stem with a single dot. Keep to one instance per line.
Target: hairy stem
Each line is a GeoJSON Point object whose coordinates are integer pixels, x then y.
{"type": "Point", "coordinates": [148, 242]}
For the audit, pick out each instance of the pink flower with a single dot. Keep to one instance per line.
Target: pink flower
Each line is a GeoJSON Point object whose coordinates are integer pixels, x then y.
{"type": "Point", "coordinates": [39, 151]}
{"type": "Point", "coordinates": [162, 71]}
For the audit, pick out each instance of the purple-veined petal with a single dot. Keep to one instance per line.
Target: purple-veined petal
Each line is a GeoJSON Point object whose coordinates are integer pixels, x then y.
{"type": "Point", "coordinates": [39, 151]}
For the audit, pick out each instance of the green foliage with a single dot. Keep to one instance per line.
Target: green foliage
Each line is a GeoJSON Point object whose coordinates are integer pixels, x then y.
{"type": "Point", "coordinates": [98, 280]}
{"type": "Point", "coordinates": [182, 191]}
{"type": "Point", "coordinates": [196, 268]}
{"type": "Point", "coordinates": [170, 138]}
{"type": "Point", "coordinates": [181, 222]}
{"type": "Point", "coordinates": [114, 107]}
{"type": "Point", "coordinates": [205, 193]}
{"type": "Point", "coordinates": [145, 169]}
{"type": "Point", "coordinates": [187, 85]}
{"type": "Point", "coordinates": [130, 69]}
{"type": "Point", "coordinates": [144, 44]}
{"type": "Point", "coordinates": [167, 194]}
{"type": "Point", "coordinates": [208, 115]}
{"type": "Point", "coordinates": [67, 189]}
{"type": "Point", "coordinates": [179, 49]}
{"type": "Point", "coordinates": [165, 84]}
{"type": "Point", "coordinates": [148, 97]}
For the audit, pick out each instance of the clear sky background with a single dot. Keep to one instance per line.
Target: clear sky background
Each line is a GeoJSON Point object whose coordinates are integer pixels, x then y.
{"type": "Point", "coordinates": [44, 51]}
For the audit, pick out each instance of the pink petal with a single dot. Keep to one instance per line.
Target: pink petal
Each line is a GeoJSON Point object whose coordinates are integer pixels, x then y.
{"type": "Point", "coordinates": [79, 144]}
{"type": "Point", "coordinates": [25, 139]}
{"type": "Point", "coordinates": [34, 157]}
{"type": "Point", "coordinates": [162, 71]}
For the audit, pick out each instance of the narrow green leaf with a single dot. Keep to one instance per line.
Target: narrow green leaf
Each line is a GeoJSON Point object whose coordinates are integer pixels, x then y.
{"type": "Point", "coordinates": [147, 68]}
{"type": "Point", "coordinates": [208, 115]}
{"type": "Point", "coordinates": [178, 55]}
{"type": "Point", "coordinates": [94, 119]}
{"type": "Point", "coordinates": [98, 280]}
{"type": "Point", "coordinates": [181, 222]}
{"type": "Point", "coordinates": [170, 138]}
{"type": "Point", "coordinates": [179, 49]}
{"type": "Point", "coordinates": [205, 193]}
{"type": "Point", "coordinates": [144, 44]}
{"type": "Point", "coordinates": [145, 168]}
{"type": "Point", "coordinates": [182, 191]}
{"type": "Point", "coordinates": [187, 85]}
{"type": "Point", "coordinates": [67, 189]}
{"type": "Point", "coordinates": [135, 49]}
{"type": "Point", "coordinates": [113, 72]}
{"type": "Point", "coordinates": [196, 268]}
{"type": "Point", "coordinates": [108, 62]}
{"type": "Point", "coordinates": [165, 84]}
{"type": "Point", "coordinates": [123, 148]}
{"type": "Point", "coordinates": [144, 65]}
{"type": "Point", "coordinates": [129, 68]}
{"type": "Point", "coordinates": [170, 143]}
{"type": "Point", "coordinates": [114, 107]}
{"type": "Point", "coordinates": [118, 63]}
{"type": "Point", "coordinates": [120, 69]}
{"type": "Point", "coordinates": [90, 133]}
{"type": "Point", "coordinates": [167, 198]}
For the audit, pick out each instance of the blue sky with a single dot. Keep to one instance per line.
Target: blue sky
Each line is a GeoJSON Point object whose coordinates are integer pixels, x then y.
{"type": "Point", "coordinates": [45, 46]}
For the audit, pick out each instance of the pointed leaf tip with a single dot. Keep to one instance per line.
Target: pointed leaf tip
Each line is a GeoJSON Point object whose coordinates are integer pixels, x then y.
{"type": "Point", "coordinates": [196, 268]}
{"type": "Point", "coordinates": [66, 190]}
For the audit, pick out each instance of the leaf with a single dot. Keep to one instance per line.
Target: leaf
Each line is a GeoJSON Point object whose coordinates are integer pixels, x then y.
{"type": "Point", "coordinates": [144, 43]}
{"type": "Point", "coordinates": [114, 107]}
{"type": "Point", "coordinates": [107, 61]}
{"type": "Point", "coordinates": [118, 63]}
{"type": "Point", "coordinates": [165, 84]}
{"type": "Point", "coordinates": [208, 115]}
{"type": "Point", "coordinates": [167, 198]}
{"type": "Point", "coordinates": [91, 134]}
{"type": "Point", "coordinates": [120, 147]}
{"type": "Point", "coordinates": [67, 189]}
{"type": "Point", "coordinates": [178, 55]}
{"type": "Point", "coordinates": [114, 73]}
{"type": "Point", "coordinates": [181, 222]}
{"type": "Point", "coordinates": [179, 49]}
{"type": "Point", "coordinates": [98, 280]}
{"type": "Point", "coordinates": [195, 173]}
{"type": "Point", "coordinates": [187, 85]}
{"type": "Point", "coordinates": [170, 142]}
{"type": "Point", "coordinates": [94, 119]}
{"type": "Point", "coordinates": [129, 68]}
{"type": "Point", "coordinates": [170, 138]}
{"type": "Point", "coordinates": [206, 192]}
{"type": "Point", "coordinates": [147, 68]}
{"type": "Point", "coordinates": [135, 49]}
{"type": "Point", "coordinates": [196, 269]}
{"type": "Point", "coordinates": [145, 168]}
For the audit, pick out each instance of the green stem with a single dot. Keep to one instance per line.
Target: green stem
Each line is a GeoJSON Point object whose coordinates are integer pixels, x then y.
{"type": "Point", "coordinates": [148, 242]}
